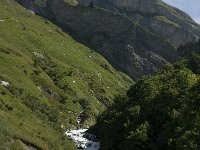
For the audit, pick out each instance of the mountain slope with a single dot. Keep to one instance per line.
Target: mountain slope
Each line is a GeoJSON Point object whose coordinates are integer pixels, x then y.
{"type": "Point", "coordinates": [46, 80]}
{"type": "Point", "coordinates": [159, 111]}
{"type": "Point", "coordinates": [126, 45]}
{"type": "Point", "coordinates": [174, 25]}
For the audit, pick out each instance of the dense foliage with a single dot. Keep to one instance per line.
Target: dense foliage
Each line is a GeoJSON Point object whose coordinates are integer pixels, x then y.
{"type": "Point", "coordinates": [159, 111]}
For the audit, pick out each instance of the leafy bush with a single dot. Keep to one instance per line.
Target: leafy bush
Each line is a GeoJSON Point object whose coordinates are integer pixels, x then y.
{"type": "Point", "coordinates": [160, 112]}
{"type": "Point", "coordinates": [43, 110]}
{"type": "Point", "coordinates": [84, 103]}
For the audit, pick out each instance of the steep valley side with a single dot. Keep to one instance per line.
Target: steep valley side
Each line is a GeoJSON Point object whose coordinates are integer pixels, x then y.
{"type": "Point", "coordinates": [125, 44]}
{"type": "Point", "coordinates": [46, 80]}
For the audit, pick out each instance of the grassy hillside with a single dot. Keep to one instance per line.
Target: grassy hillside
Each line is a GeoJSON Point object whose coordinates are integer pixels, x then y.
{"type": "Point", "coordinates": [159, 111]}
{"type": "Point", "coordinates": [47, 79]}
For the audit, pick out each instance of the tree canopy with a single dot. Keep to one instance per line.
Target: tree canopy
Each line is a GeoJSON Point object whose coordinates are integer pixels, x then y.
{"type": "Point", "coordinates": [158, 112]}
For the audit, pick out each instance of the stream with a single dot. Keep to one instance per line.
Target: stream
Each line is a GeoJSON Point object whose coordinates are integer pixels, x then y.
{"type": "Point", "coordinates": [82, 139]}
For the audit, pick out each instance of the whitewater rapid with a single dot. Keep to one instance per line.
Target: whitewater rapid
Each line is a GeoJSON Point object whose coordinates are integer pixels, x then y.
{"type": "Point", "coordinates": [83, 140]}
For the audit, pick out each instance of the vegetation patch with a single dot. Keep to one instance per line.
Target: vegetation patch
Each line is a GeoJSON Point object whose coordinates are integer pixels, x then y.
{"type": "Point", "coordinates": [159, 111]}
{"type": "Point", "coordinates": [166, 21]}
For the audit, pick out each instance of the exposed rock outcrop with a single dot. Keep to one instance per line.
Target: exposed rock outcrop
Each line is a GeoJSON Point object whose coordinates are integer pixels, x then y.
{"type": "Point", "coordinates": [158, 17]}
{"type": "Point", "coordinates": [126, 45]}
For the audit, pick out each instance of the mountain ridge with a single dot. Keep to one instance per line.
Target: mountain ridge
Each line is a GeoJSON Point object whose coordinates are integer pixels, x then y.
{"type": "Point", "coordinates": [126, 45]}
{"type": "Point", "coordinates": [145, 12]}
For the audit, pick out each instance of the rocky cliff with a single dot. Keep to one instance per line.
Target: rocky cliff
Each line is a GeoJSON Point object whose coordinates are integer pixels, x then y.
{"type": "Point", "coordinates": [126, 45]}
{"type": "Point", "coordinates": [158, 17]}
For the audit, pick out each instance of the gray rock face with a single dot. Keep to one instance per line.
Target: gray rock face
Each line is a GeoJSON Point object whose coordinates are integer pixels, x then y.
{"type": "Point", "coordinates": [158, 17]}
{"type": "Point", "coordinates": [126, 45]}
